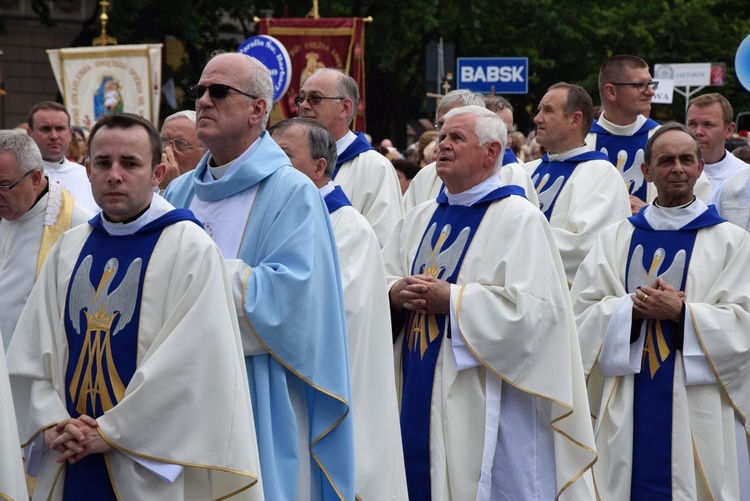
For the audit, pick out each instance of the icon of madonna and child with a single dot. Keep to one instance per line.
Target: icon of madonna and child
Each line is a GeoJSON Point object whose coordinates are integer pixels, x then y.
{"type": "Point", "coordinates": [107, 99]}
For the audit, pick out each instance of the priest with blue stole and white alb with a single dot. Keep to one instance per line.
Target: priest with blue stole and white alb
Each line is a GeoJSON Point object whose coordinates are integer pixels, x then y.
{"type": "Point", "coordinates": [331, 97]}
{"type": "Point", "coordinates": [493, 401]}
{"type": "Point", "coordinates": [125, 364]}
{"type": "Point", "coordinates": [272, 227]}
{"type": "Point", "coordinates": [580, 191]}
{"type": "Point", "coordinates": [663, 311]}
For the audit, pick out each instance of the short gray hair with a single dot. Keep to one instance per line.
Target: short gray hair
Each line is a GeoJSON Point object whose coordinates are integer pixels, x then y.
{"type": "Point", "coordinates": [23, 148]}
{"type": "Point", "coordinates": [346, 86]}
{"type": "Point", "coordinates": [459, 97]}
{"type": "Point", "coordinates": [488, 128]}
{"type": "Point", "coordinates": [189, 114]}
{"type": "Point", "coordinates": [321, 142]}
{"type": "Point", "coordinates": [258, 84]}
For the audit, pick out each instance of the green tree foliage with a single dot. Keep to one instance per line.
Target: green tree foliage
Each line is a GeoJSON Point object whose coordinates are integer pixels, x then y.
{"type": "Point", "coordinates": [564, 41]}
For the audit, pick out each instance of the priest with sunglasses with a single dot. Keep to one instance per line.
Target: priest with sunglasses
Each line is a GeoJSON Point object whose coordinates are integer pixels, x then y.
{"type": "Point", "coordinates": [271, 224]}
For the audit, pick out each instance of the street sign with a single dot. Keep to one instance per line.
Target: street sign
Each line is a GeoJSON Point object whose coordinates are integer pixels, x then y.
{"type": "Point", "coordinates": [503, 75]}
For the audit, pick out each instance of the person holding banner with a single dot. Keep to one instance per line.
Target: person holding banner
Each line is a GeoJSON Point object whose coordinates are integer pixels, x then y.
{"type": "Point", "coordinates": [369, 180]}
{"type": "Point", "coordinates": [272, 226]}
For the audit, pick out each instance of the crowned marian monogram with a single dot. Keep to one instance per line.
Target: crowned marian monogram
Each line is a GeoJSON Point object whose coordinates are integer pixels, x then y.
{"type": "Point", "coordinates": [95, 379]}
{"type": "Point", "coordinates": [439, 263]}
{"type": "Point", "coordinates": [655, 349]}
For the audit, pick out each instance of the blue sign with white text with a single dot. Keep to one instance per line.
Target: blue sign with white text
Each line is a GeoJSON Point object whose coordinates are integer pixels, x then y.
{"type": "Point", "coordinates": [274, 56]}
{"type": "Point", "coordinates": [504, 75]}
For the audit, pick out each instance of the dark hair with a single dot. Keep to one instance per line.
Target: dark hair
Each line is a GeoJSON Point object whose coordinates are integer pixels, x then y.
{"type": "Point", "coordinates": [668, 127]}
{"type": "Point", "coordinates": [126, 121]}
{"type": "Point", "coordinates": [408, 168]}
{"type": "Point", "coordinates": [45, 105]}
{"type": "Point", "coordinates": [612, 68]}
{"type": "Point", "coordinates": [578, 100]}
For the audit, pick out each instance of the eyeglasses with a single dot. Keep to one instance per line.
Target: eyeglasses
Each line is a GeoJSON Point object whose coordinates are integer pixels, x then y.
{"type": "Point", "coordinates": [216, 91]}
{"type": "Point", "coordinates": [178, 144]}
{"type": "Point", "coordinates": [8, 187]}
{"type": "Point", "coordinates": [640, 86]}
{"type": "Point", "coordinates": [313, 99]}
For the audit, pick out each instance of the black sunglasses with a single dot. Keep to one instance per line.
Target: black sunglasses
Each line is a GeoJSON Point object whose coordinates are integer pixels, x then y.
{"type": "Point", "coordinates": [216, 91]}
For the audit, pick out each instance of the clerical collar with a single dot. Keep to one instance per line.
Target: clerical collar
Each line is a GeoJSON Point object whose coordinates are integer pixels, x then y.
{"type": "Point", "coordinates": [621, 130]}
{"type": "Point", "coordinates": [561, 157]}
{"type": "Point", "coordinates": [673, 218]}
{"type": "Point", "coordinates": [717, 165]}
{"type": "Point", "coordinates": [219, 171]}
{"type": "Point", "coordinates": [328, 188]}
{"type": "Point", "coordinates": [343, 143]}
{"type": "Point", "coordinates": [158, 208]}
{"type": "Point", "coordinates": [474, 194]}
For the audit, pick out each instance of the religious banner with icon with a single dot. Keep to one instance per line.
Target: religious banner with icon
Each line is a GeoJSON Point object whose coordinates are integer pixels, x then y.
{"type": "Point", "coordinates": [96, 81]}
{"type": "Point", "coordinates": [320, 43]}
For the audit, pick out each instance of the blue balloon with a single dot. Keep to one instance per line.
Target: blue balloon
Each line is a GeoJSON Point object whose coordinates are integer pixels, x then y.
{"type": "Point", "coordinates": [742, 63]}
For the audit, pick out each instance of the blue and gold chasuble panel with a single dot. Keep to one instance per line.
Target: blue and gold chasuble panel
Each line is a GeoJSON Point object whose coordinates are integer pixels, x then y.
{"type": "Point", "coordinates": [440, 254]}
{"type": "Point", "coordinates": [550, 177]}
{"type": "Point", "coordinates": [626, 154]}
{"type": "Point", "coordinates": [656, 254]}
{"type": "Point", "coordinates": [102, 312]}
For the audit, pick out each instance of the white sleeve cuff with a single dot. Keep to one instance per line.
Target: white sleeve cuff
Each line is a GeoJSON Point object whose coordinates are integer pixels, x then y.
{"type": "Point", "coordinates": [619, 356]}
{"type": "Point", "coordinates": [465, 359]}
{"type": "Point", "coordinates": [697, 368]}
{"type": "Point", "coordinates": [33, 454]}
{"type": "Point", "coordinates": [166, 471]}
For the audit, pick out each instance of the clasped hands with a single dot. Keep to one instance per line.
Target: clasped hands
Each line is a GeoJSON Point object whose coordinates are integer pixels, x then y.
{"type": "Point", "coordinates": [423, 294]}
{"type": "Point", "coordinates": [660, 301]}
{"type": "Point", "coordinates": [76, 438]}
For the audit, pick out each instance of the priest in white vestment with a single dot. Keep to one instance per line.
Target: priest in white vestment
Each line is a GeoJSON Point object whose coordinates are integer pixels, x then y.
{"type": "Point", "coordinates": [379, 459]}
{"type": "Point", "coordinates": [368, 179]}
{"type": "Point", "coordinates": [126, 365]}
{"type": "Point", "coordinates": [663, 310]}
{"type": "Point", "coordinates": [12, 478]}
{"type": "Point", "coordinates": [580, 191]}
{"type": "Point", "coordinates": [33, 215]}
{"type": "Point", "coordinates": [49, 126]}
{"type": "Point", "coordinates": [493, 403]}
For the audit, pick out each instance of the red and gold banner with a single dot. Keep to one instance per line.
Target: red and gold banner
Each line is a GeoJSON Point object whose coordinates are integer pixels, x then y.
{"type": "Point", "coordinates": [320, 43]}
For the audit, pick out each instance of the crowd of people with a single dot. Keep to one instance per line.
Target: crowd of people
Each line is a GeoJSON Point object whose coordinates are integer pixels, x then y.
{"type": "Point", "coordinates": [222, 309]}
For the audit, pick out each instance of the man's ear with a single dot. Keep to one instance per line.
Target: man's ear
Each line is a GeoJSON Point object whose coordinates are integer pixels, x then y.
{"type": "Point", "coordinates": [320, 169]}
{"type": "Point", "coordinates": [646, 175]}
{"type": "Point", "coordinates": [159, 172]}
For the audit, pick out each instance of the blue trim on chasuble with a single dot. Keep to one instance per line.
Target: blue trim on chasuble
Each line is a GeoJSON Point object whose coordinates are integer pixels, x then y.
{"type": "Point", "coordinates": [336, 199]}
{"type": "Point", "coordinates": [509, 157]}
{"type": "Point", "coordinates": [655, 254]}
{"type": "Point", "coordinates": [550, 177]}
{"type": "Point", "coordinates": [626, 153]}
{"type": "Point", "coordinates": [359, 146]}
{"type": "Point", "coordinates": [102, 311]}
{"type": "Point", "coordinates": [440, 254]}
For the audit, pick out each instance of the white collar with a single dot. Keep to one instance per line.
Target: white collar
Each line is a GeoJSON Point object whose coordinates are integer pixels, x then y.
{"type": "Point", "coordinates": [567, 154]}
{"type": "Point", "coordinates": [327, 189]}
{"type": "Point", "coordinates": [621, 130]}
{"type": "Point", "coordinates": [673, 218]}
{"type": "Point", "coordinates": [158, 208]}
{"type": "Point", "coordinates": [219, 171]}
{"type": "Point", "coordinates": [343, 143]}
{"type": "Point", "coordinates": [474, 194]}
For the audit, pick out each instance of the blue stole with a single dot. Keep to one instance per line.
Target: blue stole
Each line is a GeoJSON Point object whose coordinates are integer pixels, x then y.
{"type": "Point", "coordinates": [509, 157]}
{"type": "Point", "coordinates": [360, 145]}
{"type": "Point", "coordinates": [626, 153]}
{"type": "Point", "coordinates": [105, 295]}
{"type": "Point", "coordinates": [336, 200]}
{"type": "Point", "coordinates": [654, 254]}
{"type": "Point", "coordinates": [550, 177]}
{"type": "Point", "coordinates": [440, 254]}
